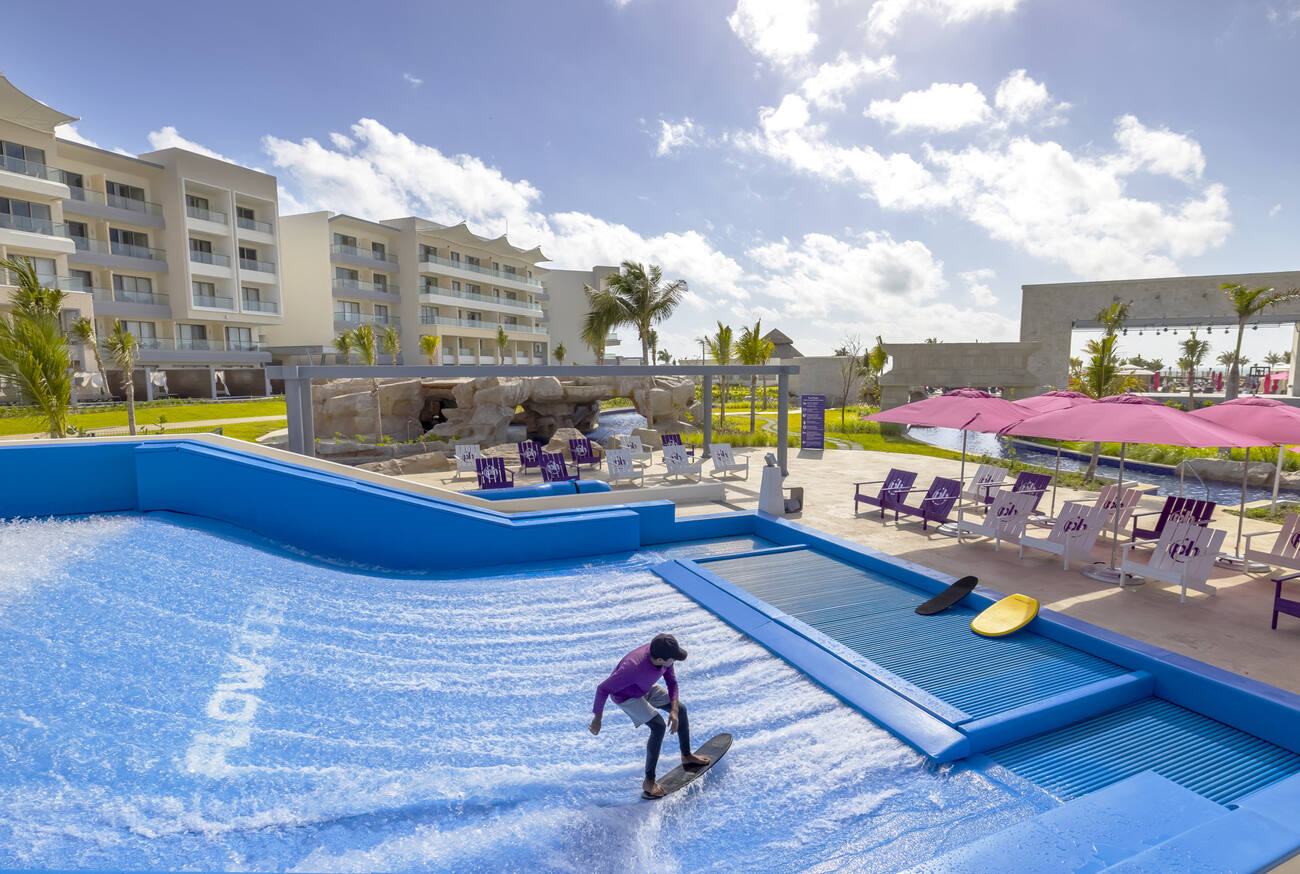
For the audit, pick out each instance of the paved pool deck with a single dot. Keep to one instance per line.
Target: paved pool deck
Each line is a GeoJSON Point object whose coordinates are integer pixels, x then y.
{"type": "Point", "coordinates": [1229, 629]}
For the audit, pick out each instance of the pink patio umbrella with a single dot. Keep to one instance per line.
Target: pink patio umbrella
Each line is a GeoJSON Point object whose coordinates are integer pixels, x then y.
{"type": "Point", "coordinates": [1270, 419]}
{"type": "Point", "coordinates": [1048, 402]}
{"type": "Point", "coordinates": [967, 409]}
{"type": "Point", "coordinates": [1126, 419]}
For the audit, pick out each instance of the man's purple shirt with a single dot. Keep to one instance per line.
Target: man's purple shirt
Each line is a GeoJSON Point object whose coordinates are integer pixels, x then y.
{"type": "Point", "coordinates": [632, 678]}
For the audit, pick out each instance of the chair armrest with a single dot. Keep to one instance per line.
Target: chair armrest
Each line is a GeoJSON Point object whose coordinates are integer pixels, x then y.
{"type": "Point", "coordinates": [1246, 537]}
{"type": "Point", "coordinates": [1146, 513]}
{"type": "Point", "coordinates": [1285, 579]}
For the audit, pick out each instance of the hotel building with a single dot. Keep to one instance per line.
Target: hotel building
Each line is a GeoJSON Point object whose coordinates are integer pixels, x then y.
{"type": "Point", "coordinates": [416, 276]}
{"type": "Point", "coordinates": [568, 308]}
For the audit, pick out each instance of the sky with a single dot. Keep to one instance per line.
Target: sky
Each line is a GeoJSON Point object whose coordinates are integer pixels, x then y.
{"type": "Point", "coordinates": [835, 168]}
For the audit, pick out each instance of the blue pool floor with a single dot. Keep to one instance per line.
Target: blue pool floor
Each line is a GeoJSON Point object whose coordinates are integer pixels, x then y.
{"type": "Point", "coordinates": [175, 696]}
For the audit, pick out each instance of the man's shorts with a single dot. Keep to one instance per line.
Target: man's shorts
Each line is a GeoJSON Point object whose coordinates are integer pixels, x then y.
{"type": "Point", "coordinates": [642, 710]}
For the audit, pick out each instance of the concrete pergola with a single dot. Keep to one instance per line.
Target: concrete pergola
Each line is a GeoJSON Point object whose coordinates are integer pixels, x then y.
{"type": "Point", "coordinates": [298, 378]}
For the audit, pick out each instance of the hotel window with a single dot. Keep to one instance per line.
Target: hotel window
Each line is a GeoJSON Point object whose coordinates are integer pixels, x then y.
{"type": "Point", "coordinates": [496, 267]}
{"type": "Point", "coordinates": [135, 289]}
{"type": "Point", "coordinates": [145, 332]}
{"type": "Point", "coordinates": [381, 282]}
{"type": "Point", "coordinates": [247, 253]}
{"type": "Point", "coordinates": [377, 249]}
{"type": "Point", "coordinates": [245, 213]}
{"type": "Point", "coordinates": [251, 294]}
{"type": "Point", "coordinates": [509, 320]}
{"type": "Point", "coordinates": [428, 253]}
{"type": "Point", "coordinates": [204, 246]}
{"type": "Point", "coordinates": [429, 284]}
{"type": "Point", "coordinates": [381, 314]}
{"type": "Point", "coordinates": [346, 277]}
{"type": "Point", "coordinates": [510, 295]}
{"type": "Point", "coordinates": [75, 181]}
{"type": "Point", "coordinates": [510, 270]}
{"type": "Point", "coordinates": [24, 216]}
{"type": "Point", "coordinates": [78, 231]}
{"type": "Point", "coordinates": [539, 350]}
{"type": "Point", "coordinates": [44, 268]}
{"type": "Point", "coordinates": [191, 336]}
{"type": "Point", "coordinates": [345, 240]}
{"type": "Point", "coordinates": [81, 279]}
{"type": "Point", "coordinates": [428, 314]}
{"type": "Point", "coordinates": [196, 202]}
{"type": "Point", "coordinates": [455, 285]}
{"type": "Point", "coordinates": [472, 261]}
{"type": "Point", "coordinates": [124, 191]}
{"type": "Point", "coordinates": [18, 158]}
{"type": "Point", "coordinates": [455, 256]}
{"type": "Point", "coordinates": [205, 293]}
{"type": "Point", "coordinates": [473, 317]}
{"type": "Point", "coordinates": [126, 242]}
{"type": "Point", "coordinates": [240, 338]}
{"type": "Point", "coordinates": [347, 310]}
{"type": "Point", "coordinates": [474, 289]}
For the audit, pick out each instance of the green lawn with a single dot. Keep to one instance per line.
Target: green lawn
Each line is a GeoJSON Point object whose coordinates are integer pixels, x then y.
{"type": "Point", "coordinates": [147, 414]}
{"type": "Point", "coordinates": [250, 431]}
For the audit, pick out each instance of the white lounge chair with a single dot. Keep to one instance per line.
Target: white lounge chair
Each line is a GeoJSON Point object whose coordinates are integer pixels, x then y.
{"type": "Point", "coordinates": [1286, 545]}
{"type": "Point", "coordinates": [620, 466]}
{"type": "Point", "coordinates": [679, 464]}
{"type": "Point", "coordinates": [633, 444]}
{"type": "Point", "coordinates": [1073, 534]}
{"type": "Point", "coordinates": [1106, 499]}
{"type": "Point", "coordinates": [1005, 520]}
{"type": "Point", "coordinates": [985, 481]}
{"type": "Point", "coordinates": [1184, 556]}
{"type": "Point", "coordinates": [724, 461]}
{"type": "Point", "coordinates": [467, 456]}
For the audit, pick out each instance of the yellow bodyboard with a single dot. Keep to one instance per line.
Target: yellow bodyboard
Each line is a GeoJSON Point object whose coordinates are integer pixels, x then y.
{"type": "Point", "coordinates": [1010, 614]}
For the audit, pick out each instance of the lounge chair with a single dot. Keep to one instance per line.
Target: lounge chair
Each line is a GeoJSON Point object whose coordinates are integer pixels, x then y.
{"type": "Point", "coordinates": [1031, 484]}
{"type": "Point", "coordinates": [987, 478]}
{"type": "Point", "coordinates": [937, 504]}
{"type": "Point", "coordinates": [893, 490]}
{"type": "Point", "coordinates": [1175, 510]}
{"type": "Point", "coordinates": [1005, 519]}
{"type": "Point", "coordinates": [467, 456]}
{"type": "Point", "coordinates": [1285, 554]}
{"type": "Point", "coordinates": [554, 470]}
{"type": "Point", "coordinates": [1106, 500]}
{"type": "Point", "coordinates": [530, 456]}
{"type": "Point", "coordinates": [676, 440]}
{"type": "Point", "coordinates": [1074, 533]}
{"type": "Point", "coordinates": [620, 466]}
{"type": "Point", "coordinates": [1184, 555]}
{"type": "Point", "coordinates": [724, 461]}
{"type": "Point", "coordinates": [493, 473]}
{"type": "Point", "coordinates": [632, 443]}
{"type": "Point", "coordinates": [584, 452]}
{"type": "Point", "coordinates": [679, 463]}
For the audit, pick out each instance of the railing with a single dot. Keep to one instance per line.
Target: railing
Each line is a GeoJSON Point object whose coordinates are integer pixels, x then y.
{"type": "Point", "coordinates": [110, 248]}
{"type": "Point", "coordinates": [360, 285]}
{"type": "Point", "coordinates": [116, 201]}
{"type": "Point", "coordinates": [191, 345]}
{"type": "Point", "coordinates": [215, 301]}
{"type": "Point", "coordinates": [36, 226]}
{"type": "Point", "coordinates": [612, 340]}
{"type": "Point", "coordinates": [249, 224]}
{"type": "Point", "coordinates": [481, 325]}
{"type": "Point", "coordinates": [207, 215]}
{"type": "Point", "coordinates": [476, 268]}
{"type": "Point", "coordinates": [261, 306]}
{"type": "Point", "coordinates": [31, 168]}
{"type": "Point", "coordinates": [118, 295]}
{"type": "Point", "coordinates": [254, 264]}
{"type": "Point", "coordinates": [482, 298]}
{"type": "Point", "coordinates": [364, 254]}
{"type": "Point", "coordinates": [366, 319]}
{"type": "Point", "coordinates": [210, 258]}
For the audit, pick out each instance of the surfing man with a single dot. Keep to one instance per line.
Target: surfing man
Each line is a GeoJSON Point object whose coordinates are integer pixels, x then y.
{"type": "Point", "coordinates": [633, 685]}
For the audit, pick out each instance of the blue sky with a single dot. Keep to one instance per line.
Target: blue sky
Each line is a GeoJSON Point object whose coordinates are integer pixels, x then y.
{"type": "Point", "coordinates": [896, 167]}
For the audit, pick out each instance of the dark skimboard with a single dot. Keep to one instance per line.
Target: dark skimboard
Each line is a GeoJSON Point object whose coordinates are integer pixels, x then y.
{"type": "Point", "coordinates": [715, 748]}
{"type": "Point", "coordinates": [948, 596]}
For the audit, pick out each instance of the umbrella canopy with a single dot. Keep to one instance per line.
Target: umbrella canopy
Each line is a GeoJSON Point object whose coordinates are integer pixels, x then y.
{"type": "Point", "coordinates": [965, 408]}
{"type": "Point", "coordinates": [1132, 419]}
{"type": "Point", "coordinates": [1053, 400]}
{"type": "Point", "coordinates": [1271, 419]}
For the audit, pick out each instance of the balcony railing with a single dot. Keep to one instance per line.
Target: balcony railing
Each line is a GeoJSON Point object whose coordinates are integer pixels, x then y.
{"type": "Point", "coordinates": [366, 319]}
{"type": "Point", "coordinates": [115, 200]}
{"type": "Point", "coordinates": [482, 298]}
{"type": "Point", "coordinates": [104, 247]}
{"type": "Point", "coordinates": [482, 325]}
{"type": "Point", "coordinates": [31, 168]}
{"type": "Point", "coordinates": [200, 345]}
{"type": "Point", "coordinates": [215, 301]}
{"type": "Point", "coordinates": [254, 264]}
{"type": "Point", "coordinates": [210, 258]}
{"type": "Point", "coordinates": [249, 224]}
{"type": "Point", "coordinates": [118, 295]}
{"type": "Point", "coordinates": [476, 268]}
{"type": "Point", "coordinates": [364, 254]}
{"type": "Point", "coordinates": [361, 285]}
{"type": "Point", "coordinates": [36, 226]}
{"type": "Point", "coordinates": [207, 215]}
{"type": "Point", "coordinates": [261, 306]}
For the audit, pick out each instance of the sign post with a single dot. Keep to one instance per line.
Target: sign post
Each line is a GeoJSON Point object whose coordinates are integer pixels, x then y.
{"type": "Point", "coordinates": [812, 424]}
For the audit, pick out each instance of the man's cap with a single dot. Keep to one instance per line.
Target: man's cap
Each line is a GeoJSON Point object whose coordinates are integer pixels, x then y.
{"type": "Point", "coordinates": [664, 646]}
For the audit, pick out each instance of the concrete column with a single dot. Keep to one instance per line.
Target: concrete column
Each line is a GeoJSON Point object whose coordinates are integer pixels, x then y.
{"type": "Point", "coordinates": [148, 384]}
{"type": "Point", "coordinates": [293, 407]}
{"type": "Point", "coordinates": [1293, 384]}
{"type": "Point", "coordinates": [212, 382]}
{"type": "Point", "coordinates": [707, 396]}
{"type": "Point", "coordinates": [308, 420]}
{"type": "Point", "coordinates": [267, 378]}
{"type": "Point", "coordinates": [782, 423]}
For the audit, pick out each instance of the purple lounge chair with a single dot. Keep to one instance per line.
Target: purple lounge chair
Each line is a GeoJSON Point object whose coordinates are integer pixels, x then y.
{"type": "Point", "coordinates": [1032, 483]}
{"type": "Point", "coordinates": [584, 452]}
{"type": "Point", "coordinates": [1175, 510]}
{"type": "Point", "coordinates": [530, 456]}
{"type": "Point", "coordinates": [676, 440]}
{"type": "Point", "coordinates": [493, 473]}
{"type": "Point", "coordinates": [893, 490]}
{"type": "Point", "coordinates": [554, 470]}
{"type": "Point", "coordinates": [937, 504]}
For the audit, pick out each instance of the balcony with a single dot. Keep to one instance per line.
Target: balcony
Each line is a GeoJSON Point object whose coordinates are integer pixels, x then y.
{"type": "Point", "coordinates": [260, 266]}
{"type": "Point", "coordinates": [31, 168]}
{"type": "Point", "coordinates": [434, 262]}
{"type": "Point", "coordinates": [206, 215]}
{"type": "Point", "coordinates": [165, 349]}
{"type": "Point", "coordinates": [368, 290]}
{"type": "Point", "coordinates": [253, 225]}
{"type": "Point", "coordinates": [433, 291]}
{"type": "Point", "coordinates": [84, 201]}
{"type": "Point", "coordinates": [117, 295]}
{"type": "Point", "coordinates": [214, 301]}
{"type": "Point", "coordinates": [260, 306]}
{"type": "Point", "coordinates": [612, 340]}
{"type": "Point", "coordinates": [210, 258]}
{"type": "Point", "coordinates": [32, 225]}
{"type": "Point", "coordinates": [354, 253]}
{"type": "Point", "coordinates": [126, 250]}
{"type": "Point", "coordinates": [354, 319]}
{"type": "Point", "coordinates": [481, 325]}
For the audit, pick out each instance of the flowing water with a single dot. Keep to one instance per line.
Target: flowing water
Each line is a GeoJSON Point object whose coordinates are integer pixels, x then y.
{"type": "Point", "coordinates": [184, 697]}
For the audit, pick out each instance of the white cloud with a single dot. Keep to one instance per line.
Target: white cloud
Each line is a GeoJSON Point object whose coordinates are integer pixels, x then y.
{"type": "Point", "coordinates": [886, 15]}
{"type": "Point", "coordinates": [412, 80]}
{"type": "Point", "coordinates": [779, 30]}
{"type": "Point", "coordinates": [977, 286]}
{"type": "Point", "coordinates": [1287, 13]}
{"type": "Point", "coordinates": [169, 138]}
{"type": "Point", "coordinates": [70, 132]}
{"type": "Point", "coordinates": [943, 107]}
{"type": "Point", "coordinates": [826, 88]}
{"type": "Point", "coordinates": [673, 136]}
{"type": "Point", "coordinates": [1020, 99]}
{"type": "Point", "coordinates": [341, 142]}
{"type": "Point", "coordinates": [1158, 151]}
{"type": "Point", "coordinates": [1277, 207]}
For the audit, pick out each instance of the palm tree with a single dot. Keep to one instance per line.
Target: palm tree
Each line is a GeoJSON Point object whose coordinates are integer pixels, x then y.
{"type": "Point", "coordinates": [502, 342]}
{"type": "Point", "coordinates": [596, 325]}
{"type": "Point", "coordinates": [1273, 359]}
{"type": "Point", "coordinates": [637, 296]}
{"type": "Point", "coordinates": [559, 352]}
{"type": "Point", "coordinates": [1100, 378]}
{"type": "Point", "coordinates": [1194, 352]}
{"type": "Point", "coordinates": [753, 351]}
{"type": "Point", "coordinates": [720, 348]}
{"type": "Point", "coordinates": [343, 344]}
{"type": "Point", "coordinates": [654, 345]}
{"type": "Point", "coordinates": [1230, 359]}
{"type": "Point", "coordinates": [1248, 302]}
{"type": "Point", "coordinates": [83, 331]}
{"type": "Point", "coordinates": [1113, 317]}
{"type": "Point", "coordinates": [122, 349]}
{"type": "Point", "coordinates": [665, 357]}
{"type": "Point", "coordinates": [391, 342]}
{"type": "Point", "coordinates": [33, 348]}
{"type": "Point", "coordinates": [429, 346]}
{"type": "Point", "coordinates": [363, 339]}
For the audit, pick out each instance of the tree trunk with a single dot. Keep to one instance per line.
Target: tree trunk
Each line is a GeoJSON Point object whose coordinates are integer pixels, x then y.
{"type": "Point", "coordinates": [1092, 463]}
{"type": "Point", "coordinates": [1233, 384]}
{"type": "Point", "coordinates": [1191, 389]}
{"type": "Point", "coordinates": [129, 384]}
{"type": "Point", "coordinates": [379, 413]}
{"type": "Point", "coordinates": [753, 402]}
{"type": "Point", "coordinates": [722, 401]}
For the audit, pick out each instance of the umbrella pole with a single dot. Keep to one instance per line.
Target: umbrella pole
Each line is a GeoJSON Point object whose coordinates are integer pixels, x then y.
{"type": "Point", "coordinates": [1238, 561]}
{"type": "Point", "coordinates": [1109, 573]}
{"type": "Point", "coordinates": [949, 528]}
{"type": "Point", "coordinates": [1057, 477]}
{"type": "Point", "coordinates": [1277, 479]}
{"type": "Point", "coordinates": [1114, 540]}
